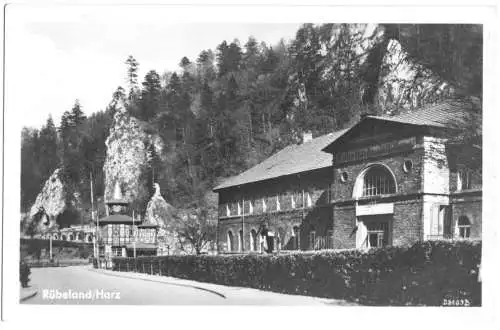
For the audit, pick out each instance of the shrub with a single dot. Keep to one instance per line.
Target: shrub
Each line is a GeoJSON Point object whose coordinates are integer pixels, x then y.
{"type": "Point", "coordinates": [24, 274]}
{"type": "Point", "coordinates": [423, 274]}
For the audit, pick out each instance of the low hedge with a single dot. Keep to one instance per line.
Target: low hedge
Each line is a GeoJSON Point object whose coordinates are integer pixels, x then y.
{"type": "Point", "coordinates": [426, 273]}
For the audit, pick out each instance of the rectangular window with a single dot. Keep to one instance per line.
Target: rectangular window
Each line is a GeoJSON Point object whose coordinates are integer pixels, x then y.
{"type": "Point", "coordinates": [308, 199]}
{"type": "Point", "coordinates": [248, 207]}
{"type": "Point", "coordinates": [257, 206]}
{"type": "Point", "coordinates": [298, 198]}
{"type": "Point", "coordinates": [116, 251]}
{"type": "Point", "coordinates": [222, 210]}
{"type": "Point", "coordinates": [285, 201]}
{"type": "Point", "coordinates": [329, 239]}
{"type": "Point", "coordinates": [271, 204]}
{"type": "Point", "coordinates": [378, 234]}
{"type": "Point", "coordinates": [233, 209]}
{"type": "Point", "coordinates": [122, 233]}
{"type": "Point", "coordinates": [464, 179]}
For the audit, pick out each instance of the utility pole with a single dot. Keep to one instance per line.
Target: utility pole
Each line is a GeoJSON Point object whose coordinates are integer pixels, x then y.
{"type": "Point", "coordinates": [96, 253]}
{"type": "Point", "coordinates": [243, 225]}
{"type": "Point", "coordinates": [134, 231]}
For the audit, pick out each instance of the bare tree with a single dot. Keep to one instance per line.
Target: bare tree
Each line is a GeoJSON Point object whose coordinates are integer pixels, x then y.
{"type": "Point", "coordinates": [195, 229]}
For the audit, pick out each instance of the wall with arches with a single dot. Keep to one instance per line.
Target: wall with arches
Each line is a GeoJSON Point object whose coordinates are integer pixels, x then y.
{"type": "Point", "coordinates": [282, 224]}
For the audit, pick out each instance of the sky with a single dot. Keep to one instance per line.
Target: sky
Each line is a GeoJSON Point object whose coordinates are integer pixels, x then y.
{"type": "Point", "coordinates": [55, 55]}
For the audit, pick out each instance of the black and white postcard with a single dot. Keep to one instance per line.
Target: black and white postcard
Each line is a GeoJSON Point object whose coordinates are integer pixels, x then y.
{"type": "Point", "coordinates": [208, 156]}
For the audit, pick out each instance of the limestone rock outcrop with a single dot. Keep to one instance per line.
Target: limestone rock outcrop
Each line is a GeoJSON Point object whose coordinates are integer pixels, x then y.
{"type": "Point", "coordinates": [158, 211]}
{"type": "Point", "coordinates": [52, 198]}
{"type": "Point", "coordinates": [127, 156]}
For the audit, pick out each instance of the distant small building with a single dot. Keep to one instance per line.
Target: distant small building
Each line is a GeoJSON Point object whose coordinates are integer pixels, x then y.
{"type": "Point", "coordinates": [384, 181]}
{"type": "Point", "coordinates": [123, 235]}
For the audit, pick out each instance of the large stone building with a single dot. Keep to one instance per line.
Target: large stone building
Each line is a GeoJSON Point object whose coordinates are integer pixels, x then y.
{"type": "Point", "coordinates": [384, 181]}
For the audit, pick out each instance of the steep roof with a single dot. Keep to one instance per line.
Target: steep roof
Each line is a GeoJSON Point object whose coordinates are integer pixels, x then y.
{"type": "Point", "coordinates": [437, 115]}
{"type": "Point", "coordinates": [290, 160]}
{"type": "Point", "coordinates": [443, 115]}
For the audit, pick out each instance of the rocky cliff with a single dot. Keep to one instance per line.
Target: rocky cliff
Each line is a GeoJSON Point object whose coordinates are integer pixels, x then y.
{"type": "Point", "coordinates": [158, 211]}
{"type": "Point", "coordinates": [52, 198]}
{"type": "Point", "coordinates": [128, 146]}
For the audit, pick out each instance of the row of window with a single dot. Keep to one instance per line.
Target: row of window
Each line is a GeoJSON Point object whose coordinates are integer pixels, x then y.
{"type": "Point", "coordinates": [120, 234]}
{"type": "Point", "coordinates": [313, 242]}
{"type": "Point", "coordinates": [147, 235]}
{"type": "Point", "coordinates": [276, 203]}
{"type": "Point", "coordinates": [376, 181]}
{"type": "Point", "coordinates": [377, 234]}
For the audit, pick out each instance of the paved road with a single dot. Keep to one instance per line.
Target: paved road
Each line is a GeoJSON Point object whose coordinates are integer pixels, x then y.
{"type": "Point", "coordinates": [112, 290]}
{"type": "Point", "coordinates": [83, 285]}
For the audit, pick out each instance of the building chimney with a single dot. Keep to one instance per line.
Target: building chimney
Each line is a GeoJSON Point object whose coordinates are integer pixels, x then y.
{"type": "Point", "coordinates": [307, 136]}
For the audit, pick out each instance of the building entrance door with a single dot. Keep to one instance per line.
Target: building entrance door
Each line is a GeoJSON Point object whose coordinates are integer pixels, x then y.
{"type": "Point", "coordinates": [378, 230]}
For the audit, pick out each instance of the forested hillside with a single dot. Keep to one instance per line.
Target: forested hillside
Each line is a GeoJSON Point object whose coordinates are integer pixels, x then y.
{"type": "Point", "coordinates": [236, 104]}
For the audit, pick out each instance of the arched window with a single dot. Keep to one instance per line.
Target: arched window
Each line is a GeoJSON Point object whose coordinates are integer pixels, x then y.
{"type": "Point", "coordinates": [378, 181]}
{"type": "Point", "coordinates": [230, 241]}
{"type": "Point", "coordinates": [253, 240]}
{"type": "Point", "coordinates": [463, 227]}
{"type": "Point", "coordinates": [240, 241]}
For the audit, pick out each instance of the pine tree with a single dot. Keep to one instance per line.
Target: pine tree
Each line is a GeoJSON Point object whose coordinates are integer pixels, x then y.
{"type": "Point", "coordinates": [205, 65]}
{"type": "Point", "coordinates": [132, 78]}
{"type": "Point", "coordinates": [150, 96]}
{"type": "Point", "coordinates": [76, 117]}
{"type": "Point", "coordinates": [31, 178]}
{"type": "Point", "coordinates": [49, 159]}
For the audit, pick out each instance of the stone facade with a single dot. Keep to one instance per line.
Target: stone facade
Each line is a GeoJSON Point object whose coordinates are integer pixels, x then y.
{"type": "Point", "coordinates": [389, 184]}
{"type": "Point", "coordinates": [298, 201]}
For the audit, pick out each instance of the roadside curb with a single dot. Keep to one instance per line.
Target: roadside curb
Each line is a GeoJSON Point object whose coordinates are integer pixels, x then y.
{"type": "Point", "coordinates": [29, 295]}
{"type": "Point", "coordinates": [164, 280]}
